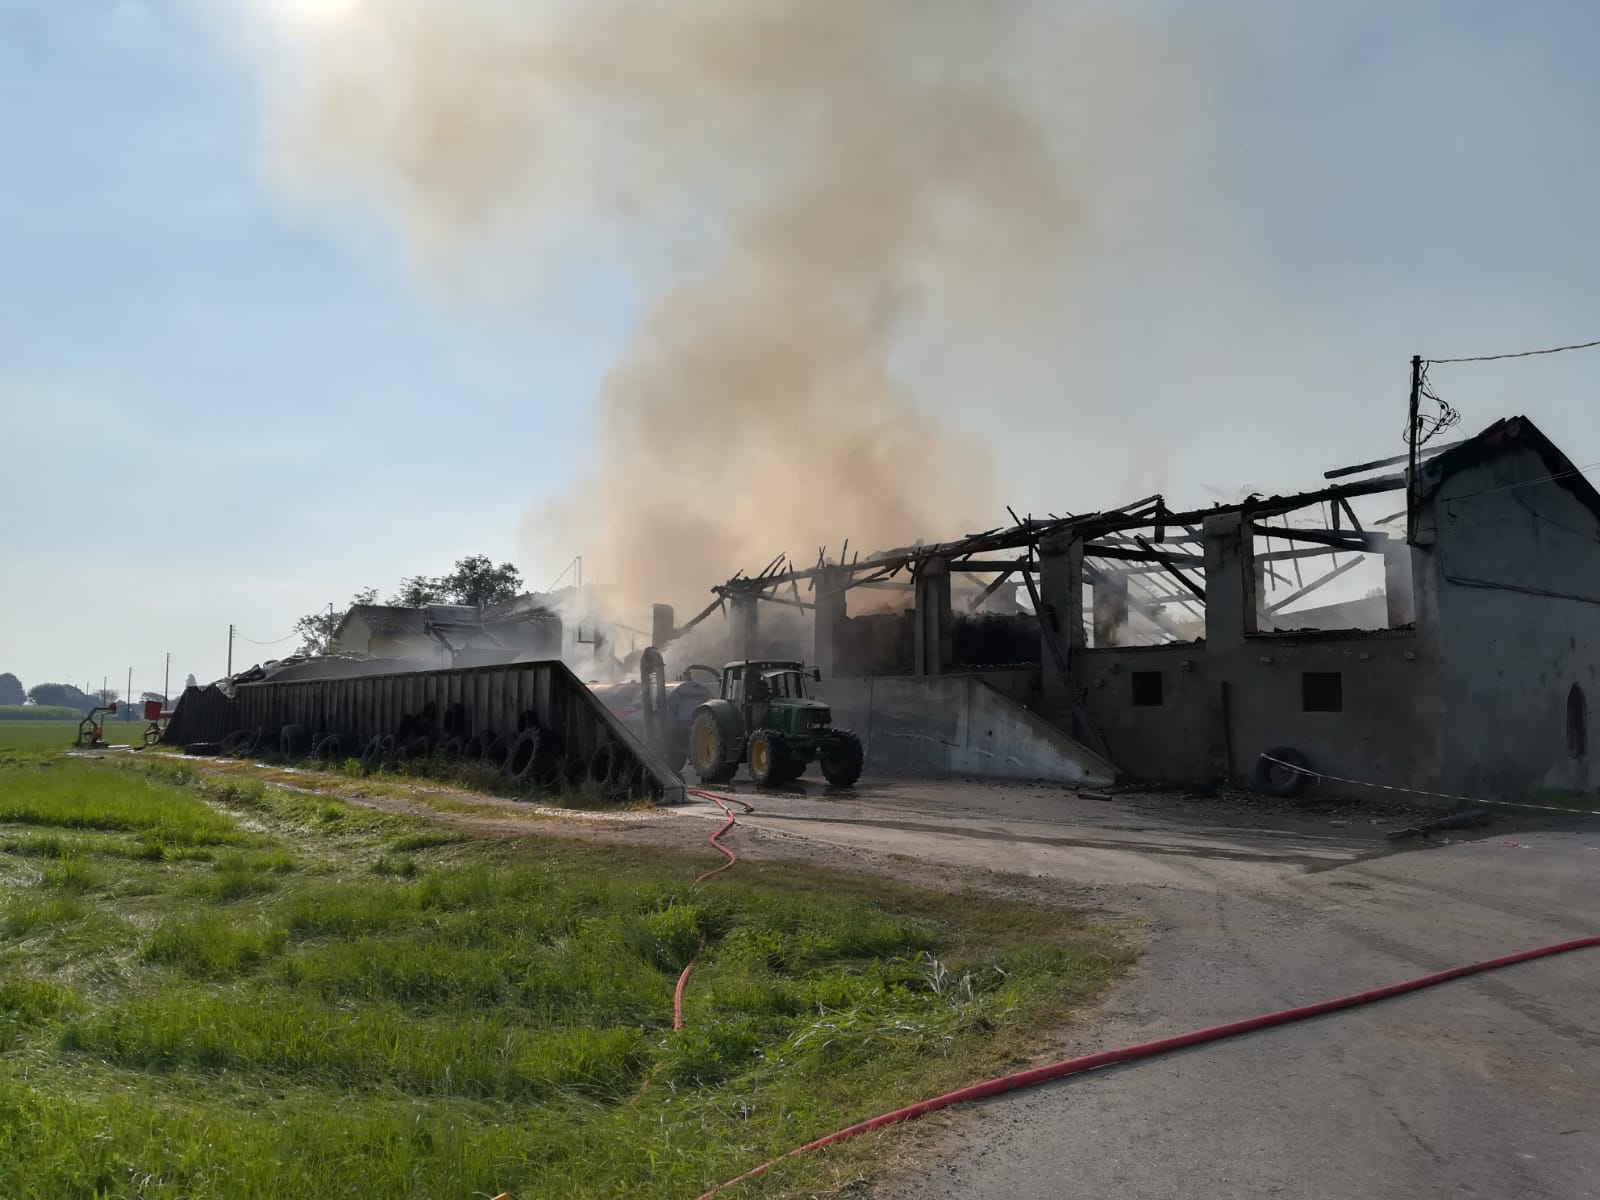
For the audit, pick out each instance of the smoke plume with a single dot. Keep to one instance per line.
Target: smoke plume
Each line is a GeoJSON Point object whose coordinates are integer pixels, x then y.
{"type": "Point", "coordinates": [825, 206]}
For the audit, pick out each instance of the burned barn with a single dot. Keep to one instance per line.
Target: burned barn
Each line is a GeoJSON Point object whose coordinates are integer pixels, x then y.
{"type": "Point", "coordinates": [1429, 627]}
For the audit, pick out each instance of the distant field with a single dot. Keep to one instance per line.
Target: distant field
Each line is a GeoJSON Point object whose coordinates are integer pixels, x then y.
{"type": "Point", "coordinates": [37, 712]}
{"type": "Point", "coordinates": [59, 735]}
{"type": "Point", "coordinates": [212, 987]}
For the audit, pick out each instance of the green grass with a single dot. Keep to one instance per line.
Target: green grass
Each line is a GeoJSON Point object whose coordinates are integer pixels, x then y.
{"type": "Point", "coordinates": [60, 735]}
{"type": "Point", "coordinates": [210, 987]}
{"type": "Point", "coordinates": [73, 795]}
{"type": "Point", "coordinates": [39, 712]}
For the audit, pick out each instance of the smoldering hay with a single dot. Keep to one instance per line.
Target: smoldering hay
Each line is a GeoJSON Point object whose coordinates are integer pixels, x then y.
{"type": "Point", "coordinates": [821, 204]}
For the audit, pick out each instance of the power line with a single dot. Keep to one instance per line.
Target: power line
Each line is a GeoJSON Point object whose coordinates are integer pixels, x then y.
{"type": "Point", "coordinates": [1517, 354]}
{"type": "Point", "coordinates": [1429, 427]}
{"type": "Point", "coordinates": [275, 642]}
{"type": "Point", "coordinates": [1511, 487]}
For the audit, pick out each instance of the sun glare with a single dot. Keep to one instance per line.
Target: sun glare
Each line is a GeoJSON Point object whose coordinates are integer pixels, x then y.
{"type": "Point", "coordinates": [316, 12]}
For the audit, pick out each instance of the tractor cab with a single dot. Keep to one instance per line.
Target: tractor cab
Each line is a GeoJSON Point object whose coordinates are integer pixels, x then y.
{"type": "Point", "coordinates": [762, 682]}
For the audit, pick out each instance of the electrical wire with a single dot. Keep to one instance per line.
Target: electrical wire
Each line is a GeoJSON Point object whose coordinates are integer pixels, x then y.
{"type": "Point", "coordinates": [1511, 487]}
{"type": "Point", "coordinates": [1517, 354]}
{"type": "Point", "coordinates": [276, 642]}
{"type": "Point", "coordinates": [1429, 427]}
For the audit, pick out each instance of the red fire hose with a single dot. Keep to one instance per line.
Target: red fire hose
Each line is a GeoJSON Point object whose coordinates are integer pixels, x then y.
{"type": "Point", "coordinates": [1105, 1058]}
{"type": "Point", "coordinates": [722, 803]}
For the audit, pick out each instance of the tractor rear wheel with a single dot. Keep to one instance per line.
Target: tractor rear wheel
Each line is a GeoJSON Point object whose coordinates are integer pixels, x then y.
{"type": "Point", "coordinates": [769, 757]}
{"type": "Point", "coordinates": [708, 750]}
{"type": "Point", "coordinates": [842, 758]}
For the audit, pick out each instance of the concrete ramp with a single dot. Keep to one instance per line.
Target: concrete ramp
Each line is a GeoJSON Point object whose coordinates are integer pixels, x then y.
{"type": "Point", "coordinates": [956, 725]}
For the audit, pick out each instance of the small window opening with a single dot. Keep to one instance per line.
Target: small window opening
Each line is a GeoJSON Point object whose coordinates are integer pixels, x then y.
{"type": "Point", "coordinates": [1577, 723]}
{"type": "Point", "coordinates": [1321, 691]}
{"type": "Point", "coordinates": [1146, 689]}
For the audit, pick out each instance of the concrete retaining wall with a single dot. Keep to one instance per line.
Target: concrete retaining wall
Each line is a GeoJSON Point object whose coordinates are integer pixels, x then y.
{"type": "Point", "coordinates": [956, 725]}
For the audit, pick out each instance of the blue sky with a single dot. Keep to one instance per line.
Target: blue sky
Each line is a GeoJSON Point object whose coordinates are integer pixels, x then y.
{"type": "Point", "coordinates": [218, 405]}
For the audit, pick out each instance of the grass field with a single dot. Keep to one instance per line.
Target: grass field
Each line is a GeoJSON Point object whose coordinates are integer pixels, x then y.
{"type": "Point", "coordinates": [211, 987]}
{"type": "Point", "coordinates": [59, 735]}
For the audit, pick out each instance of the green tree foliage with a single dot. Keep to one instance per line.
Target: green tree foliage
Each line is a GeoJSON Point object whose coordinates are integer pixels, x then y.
{"type": "Point", "coordinates": [61, 695]}
{"type": "Point", "coordinates": [316, 629]}
{"type": "Point", "coordinates": [11, 691]}
{"type": "Point", "coordinates": [419, 591]}
{"type": "Point", "coordinates": [477, 581]}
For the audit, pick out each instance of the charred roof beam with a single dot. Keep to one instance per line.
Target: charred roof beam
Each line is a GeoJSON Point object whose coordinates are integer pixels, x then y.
{"type": "Point", "coordinates": [1338, 539]}
{"type": "Point", "coordinates": [1028, 533]}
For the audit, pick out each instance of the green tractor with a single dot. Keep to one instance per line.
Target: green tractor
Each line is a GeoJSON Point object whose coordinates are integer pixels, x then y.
{"type": "Point", "coordinates": [766, 716]}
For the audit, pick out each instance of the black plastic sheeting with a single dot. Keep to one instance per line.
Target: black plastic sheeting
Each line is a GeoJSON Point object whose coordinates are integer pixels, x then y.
{"type": "Point", "coordinates": [476, 700]}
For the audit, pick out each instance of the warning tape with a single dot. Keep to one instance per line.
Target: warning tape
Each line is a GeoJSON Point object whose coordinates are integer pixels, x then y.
{"type": "Point", "coordinates": [1389, 787]}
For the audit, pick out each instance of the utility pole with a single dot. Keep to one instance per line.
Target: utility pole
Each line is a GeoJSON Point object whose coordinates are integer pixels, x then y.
{"type": "Point", "coordinates": [166, 682]}
{"type": "Point", "coordinates": [327, 647]}
{"type": "Point", "coordinates": [128, 695]}
{"type": "Point", "coordinates": [1411, 439]}
{"type": "Point", "coordinates": [230, 651]}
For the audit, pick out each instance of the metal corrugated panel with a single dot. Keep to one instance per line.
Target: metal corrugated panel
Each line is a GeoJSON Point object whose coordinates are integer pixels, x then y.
{"type": "Point", "coordinates": [358, 708]}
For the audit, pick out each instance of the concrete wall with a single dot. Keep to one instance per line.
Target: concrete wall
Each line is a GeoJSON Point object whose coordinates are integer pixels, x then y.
{"type": "Point", "coordinates": [1385, 731]}
{"type": "Point", "coordinates": [1020, 685]}
{"type": "Point", "coordinates": [1175, 741]}
{"type": "Point", "coordinates": [1516, 570]}
{"type": "Point", "coordinates": [955, 725]}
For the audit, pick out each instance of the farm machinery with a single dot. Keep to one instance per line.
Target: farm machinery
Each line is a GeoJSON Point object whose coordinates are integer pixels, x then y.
{"type": "Point", "coordinates": [92, 729]}
{"type": "Point", "coordinates": [766, 716]}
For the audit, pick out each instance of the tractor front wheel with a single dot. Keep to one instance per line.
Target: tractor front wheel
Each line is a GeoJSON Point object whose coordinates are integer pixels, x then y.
{"type": "Point", "coordinates": [708, 750]}
{"type": "Point", "coordinates": [842, 759]}
{"type": "Point", "coordinates": [769, 757]}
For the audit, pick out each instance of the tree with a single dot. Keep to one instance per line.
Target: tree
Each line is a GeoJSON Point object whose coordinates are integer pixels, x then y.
{"type": "Point", "coordinates": [316, 629]}
{"type": "Point", "coordinates": [475, 581]}
{"type": "Point", "coordinates": [478, 582]}
{"type": "Point", "coordinates": [11, 689]}
{"type": "Point", "coordinates": [418, 591]}
{"type": "Point", "coordinates": [60, 695]}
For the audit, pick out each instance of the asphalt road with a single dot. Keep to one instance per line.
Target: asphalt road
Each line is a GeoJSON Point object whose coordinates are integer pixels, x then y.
{"type": "Point", "coordinates": [1484, 1087]}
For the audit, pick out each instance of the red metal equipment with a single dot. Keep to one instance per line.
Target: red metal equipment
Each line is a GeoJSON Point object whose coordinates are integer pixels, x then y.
{"type": "Point", "coordinates": [91, 730]}
{"type": "Point", "coordinates": [157, 716]}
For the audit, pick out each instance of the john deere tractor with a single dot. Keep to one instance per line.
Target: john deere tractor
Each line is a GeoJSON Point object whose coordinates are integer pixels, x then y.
{"type": "Point", "coordinates": [765, 715]}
